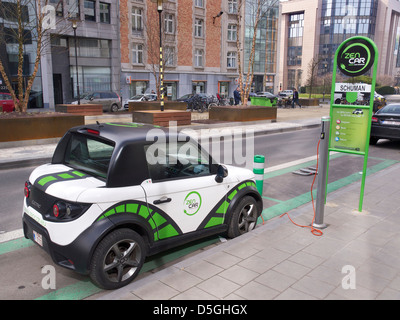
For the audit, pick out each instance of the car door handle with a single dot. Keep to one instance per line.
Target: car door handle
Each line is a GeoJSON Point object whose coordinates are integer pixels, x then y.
{"type": "Point", "coordinates": [162, 200]}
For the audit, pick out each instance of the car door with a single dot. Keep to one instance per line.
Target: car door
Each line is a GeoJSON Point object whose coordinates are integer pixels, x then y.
{"type": "Point", "coordinates": [183, 187]}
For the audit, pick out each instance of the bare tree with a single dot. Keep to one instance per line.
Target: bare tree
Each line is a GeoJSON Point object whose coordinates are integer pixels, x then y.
{"type": "Point", "coordinates": [255, 10]}
{"type": "Point", "coordinates": [312, 71]}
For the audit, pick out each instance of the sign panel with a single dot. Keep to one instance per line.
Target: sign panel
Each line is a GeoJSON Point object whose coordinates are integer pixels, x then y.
{"type": "Point", "coordinates": [349, 129]}
{"type": "Point", "coordinates": [352, 87]}
{"type": "Point", "coordinates": [350, 126]}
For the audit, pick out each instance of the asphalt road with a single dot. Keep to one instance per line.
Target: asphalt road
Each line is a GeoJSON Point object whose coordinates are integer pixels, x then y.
{"type": "Point", "coordinates": [21, 262]}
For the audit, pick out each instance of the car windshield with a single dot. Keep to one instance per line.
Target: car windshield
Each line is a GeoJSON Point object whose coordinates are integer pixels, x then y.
{"type": "Point", "coordinates": [136, 97]}
{"type": "Point", "coordinates": [89, 155]}
{"type": "Point", "coordinates": [390, 109]}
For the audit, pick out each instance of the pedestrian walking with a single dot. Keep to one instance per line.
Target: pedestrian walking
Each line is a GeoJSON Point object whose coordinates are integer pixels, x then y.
{"type": "Point", "coordinates": [236, 95]}
{"type": "Point", "coordinates": [295, 98]}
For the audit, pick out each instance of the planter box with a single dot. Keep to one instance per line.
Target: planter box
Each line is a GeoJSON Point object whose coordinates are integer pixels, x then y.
{"type": "Point", "coordinates": [242, 113]}
{"type": "Point", "coordinates": [263, 101]}
{"type": "Point", "coordinates": [309, 102]}
{"type": "Point", "coordinates": [155, 105]}
{"type": "Point", "coordinates": [83, 109]}
{"type": "Point", "coordinates": [162, 118]}
{"type": "Point", "coordinates": [37, 126]}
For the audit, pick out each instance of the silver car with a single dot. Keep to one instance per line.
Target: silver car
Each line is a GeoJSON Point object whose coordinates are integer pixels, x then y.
{"type": "Point", "coordinates": [108, 99]}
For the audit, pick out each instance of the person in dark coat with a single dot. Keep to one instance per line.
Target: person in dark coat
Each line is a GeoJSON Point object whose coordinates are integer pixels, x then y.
{"type": "Point", "coordinates": [236, 95]}
{"type": "Point", "coordinates": [295, 98]}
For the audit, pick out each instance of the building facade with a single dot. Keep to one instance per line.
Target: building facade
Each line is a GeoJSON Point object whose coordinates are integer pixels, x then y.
{"type": "Point", "coordinates": [199, 45]}
{"type": "Point", "coordinates": [314, 29]}
{"type": "Point", "coordinates": [95, 64]}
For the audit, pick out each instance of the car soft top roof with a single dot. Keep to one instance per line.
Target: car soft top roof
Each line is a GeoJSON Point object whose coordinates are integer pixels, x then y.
{"type": "Point", "coordinates": [119, 132]}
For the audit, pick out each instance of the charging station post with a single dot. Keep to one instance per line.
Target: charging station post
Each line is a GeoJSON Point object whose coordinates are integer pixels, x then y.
{"type": "Point", "coordinates": [322, 173]}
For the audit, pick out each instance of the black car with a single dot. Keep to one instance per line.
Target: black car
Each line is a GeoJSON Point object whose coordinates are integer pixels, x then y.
{"type": "Point", "coordinates": [386, 124]}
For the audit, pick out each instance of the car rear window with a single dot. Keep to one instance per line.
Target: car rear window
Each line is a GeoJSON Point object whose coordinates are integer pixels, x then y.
{"type": "Point", "coordinates": [89, 155]}
{"type": "Point", "coordinates": [390, 110]}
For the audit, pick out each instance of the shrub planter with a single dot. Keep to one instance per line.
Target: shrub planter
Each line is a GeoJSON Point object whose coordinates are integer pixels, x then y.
{"type": "Point", "coordinates": [162, 118]}
{"type": "Point", "coordinates": [83, 109]}
{"type": "Point", "coordinates": [38, 125]}
{"type": "Point", "coordinates": [155, 105]}
{"type": "Point", "coordinates": [242, 113]}
{"type": "Point", "coordinates": [309, 102]}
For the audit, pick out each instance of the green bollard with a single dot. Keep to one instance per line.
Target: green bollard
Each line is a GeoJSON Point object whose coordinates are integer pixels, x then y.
{"type": "Point", "coordinates": [258, 170]}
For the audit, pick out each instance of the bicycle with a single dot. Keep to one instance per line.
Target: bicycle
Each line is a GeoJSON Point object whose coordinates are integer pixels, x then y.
{"type": "Point", "coordinates": [197, 103]}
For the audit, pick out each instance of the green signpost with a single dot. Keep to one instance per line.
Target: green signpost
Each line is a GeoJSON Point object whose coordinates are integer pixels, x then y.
{"type": "Point", "coordinates": [350, 126]}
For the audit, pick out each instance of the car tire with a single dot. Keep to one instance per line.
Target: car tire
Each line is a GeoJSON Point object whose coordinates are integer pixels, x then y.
{"type": "Point", "coordinates": [114, 108]}
{"type": "Point", "coordinates": [244, 217]}
{"type": "Point", "coordinates": [373, 140]}
{"type": "Point", "coordinates": [117, 259]}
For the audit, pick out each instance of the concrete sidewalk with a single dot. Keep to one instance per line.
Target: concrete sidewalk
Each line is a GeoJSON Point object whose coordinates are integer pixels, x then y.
{"type": "Point", "coordinates": [357, 257]}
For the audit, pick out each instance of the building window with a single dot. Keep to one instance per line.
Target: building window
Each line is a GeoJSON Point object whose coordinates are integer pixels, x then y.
{"type": "Point", "coordinates": [89, 10]}
{"type": "Point", "coordinates": [87, 47]}
{"type": "Point", "coordinates": [169, 56]}
{"type": "Point", "coordinates": [73, 9]}
{"type": "Point", "coordinates": [91, 79]}
{"type": "Point", "coordinates": [231, 60]}
{"type": "Point", "coordinates": [198, 58]}
{"type": "Point", "coordinates": [58, 5]}
{"type": "Point", "coordinates": [232, 6]}
{"type": "Point", "coordinates": [198, 28]}
{"type": "Point", "coordinates": [295, 39]}
{"type": "Point", "coordinates": [232, 32]}
{"type": "Point", "coordinates": [138, 87]}
{"type": "Point", "coordinates": [137, 53]}
{"type": "Point", "coordinates": [169, 23]}
{"type": "Point", "coordinates": [199, 3]}
{"type": "Point", "coordinates": [137, 20]}
{"type": "Point", "coordinates": [105, 12]}
{"type": "Point", "coordinates": [198, 87]}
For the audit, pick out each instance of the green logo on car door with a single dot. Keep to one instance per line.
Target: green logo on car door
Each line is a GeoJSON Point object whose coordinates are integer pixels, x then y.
{"type": "Point", "coordinates": [192, 203]}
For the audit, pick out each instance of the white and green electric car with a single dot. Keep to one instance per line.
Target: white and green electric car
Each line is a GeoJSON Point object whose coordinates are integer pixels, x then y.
{"type": "Point", "coordinates": [112, 196]}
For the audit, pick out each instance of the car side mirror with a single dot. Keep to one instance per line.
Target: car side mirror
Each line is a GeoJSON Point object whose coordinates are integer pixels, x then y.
{"type": "Point", "coordinates": [222, 172]}
{"type": "Point", "coordinates": [91, 98]}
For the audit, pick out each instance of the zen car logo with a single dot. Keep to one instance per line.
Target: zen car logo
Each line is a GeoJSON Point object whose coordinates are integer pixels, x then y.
{"type": "Point", "coordinates": [355, 57]}
{"type": "Point", "coordinates": [192, 203]}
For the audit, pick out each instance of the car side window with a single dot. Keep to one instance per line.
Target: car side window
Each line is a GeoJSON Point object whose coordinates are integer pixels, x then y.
{"type": "Point", "coordinates": [176, 160]}
{"type": "Point", "coordinates": [96, 95]}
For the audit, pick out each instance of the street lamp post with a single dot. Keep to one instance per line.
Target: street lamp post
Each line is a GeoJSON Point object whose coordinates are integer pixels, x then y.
{"type": "Point", "coordinates": [161, 69]}
{"type": "Point", "coordinates": [74, 26]}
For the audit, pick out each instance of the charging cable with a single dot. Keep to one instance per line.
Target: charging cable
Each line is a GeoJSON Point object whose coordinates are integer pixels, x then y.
{"type": "Point", "coordinates": [314, 231]}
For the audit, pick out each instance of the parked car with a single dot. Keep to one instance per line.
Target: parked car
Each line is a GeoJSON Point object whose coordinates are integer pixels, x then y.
{"type": "Point", "coordinates": [286, 93]}
{"type": "Point", "coordinates": [6, 102]}
{"type": "Point", "coordinates": [386, 123]}
{"type": "Point", "coordinates": [110, 197]}
{"type": "Point", "coordinates": [108, 99]}
{"type": "Point", "coordinates": [139, 97]}
{"type": "Point", "coordinates": [185, 98]}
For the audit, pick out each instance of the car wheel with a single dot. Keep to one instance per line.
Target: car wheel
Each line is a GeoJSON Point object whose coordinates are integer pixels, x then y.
{"type": "Point", "coordinates": [244, 217]}
{"type": "Point", "coordinates": [373, 140]}
{"type": "Point", "coordinates": [114, 108]}
{"type": "Point", "coordinates": [117, 259]}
